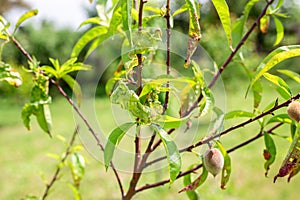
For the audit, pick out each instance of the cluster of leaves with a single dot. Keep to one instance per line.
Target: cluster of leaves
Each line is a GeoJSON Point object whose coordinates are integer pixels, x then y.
{"type": "Point", "coordinates": [148, 99]}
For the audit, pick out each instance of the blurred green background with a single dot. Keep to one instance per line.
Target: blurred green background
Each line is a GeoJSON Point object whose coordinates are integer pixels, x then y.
{"type": "Point", "coordinates": [23, 154]}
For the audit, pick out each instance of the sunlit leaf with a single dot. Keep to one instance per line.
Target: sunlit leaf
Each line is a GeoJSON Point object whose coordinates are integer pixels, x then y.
{"type": "Point", "coordinates": [24, 17]}
{"type": "Point", "coordinates": [282, 87]}
{"type": "Point", "coordinates": [77, 166]}
{"type": "Point", "coordinates": [90, 35]}
{"type": "Point", "coordinates": [93, 20]}
{"type": "Point", "coordinates": [169, 122]}
{"type": "Point", "coordinates": [75, 191]}
{"type": "Point", "coordinates": [238, 113]}
{"type": "Point", "coordinates": [275, 57]}
{"type": "Point", "coordinates": [8, 74]}
{"type": "Point", "coordinates": [264, 24]}
{"type": "Point", "coordinates": [269, 152]}
{"type": "Point", "coordinates": [114, 138]}
{"type": "Point", "coordinates": [224, 14]}
{"type": "Point", "coordinates": [182, 9]}
{"type": "Point", "coordinates": [227, 165]}
{"type": "Point", "coordinates": [295, 76]}
{"type": "Point", "coordinates": [283, 118]}
{"type": "Point", "coordinates": [279, 30]}
{"type": "Point", "coordinates": [126, 6]}
{"type": "Point", "coordinates": [43, 116]}
{"type": "Point", "coordinates": [174, 158]}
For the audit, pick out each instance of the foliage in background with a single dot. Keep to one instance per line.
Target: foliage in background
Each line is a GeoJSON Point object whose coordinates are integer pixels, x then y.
{"type": "Point", "coordinates": [148, 98]}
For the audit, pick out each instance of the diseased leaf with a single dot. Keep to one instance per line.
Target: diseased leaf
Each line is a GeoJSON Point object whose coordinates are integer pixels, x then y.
{"type": "Point", "coordinates": [192, 194]}
{"type": "Point", "coordinates": [208, 101]}
{"type": "Point", "coordinates": [227, 166]}
{"type": "Point", "coordinates": [114, 138]}
{"type": "Point", "coordinates": [194, 25]}
{"type": "Point", "coordinates": [282, 87]}
{"type": "Point", "coordinates": [24, 17]}
{"type": "Point", "coordinates": [237, 114]}
{"type": "Point", "coordinates": [169, 122]}
{"type": "Point", "coordinates": [279, 31]}
{"type": "Point", "coordinates": [128, 100]}
{"type": "Point", "coordinates": [264, 24]}
{"type": "Point", "coordinates": [8, 74]}
{"type": "Point", "coordinates": [291, 163]}
{"type": "Point", "coordinates": [174, 158]}
{"type": "Point", "coordinates": [269, 152]}
{"type": "Point", "coordinates": [275, 57]}
{"type": "Point", "coordinates": [224, 14]}
{"type": "Point", "coordinates": [190, 187]}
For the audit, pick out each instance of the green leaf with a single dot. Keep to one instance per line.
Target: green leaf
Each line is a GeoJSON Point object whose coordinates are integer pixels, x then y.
{"type": "Point", "coordinates": [239, 24]}
{"type": "Point", "coordinates": [128, 100]}
{"type": "Point", "coordinates": [73, 84]}
{"type": "Point", "coordinates": [93, 20]}
{"type": "Point", "coordinates": [295, 76]}
{"type": "Point", "coordinates": [192, 194]}
{"type": "Point", "coordinates": [194, 26]}
{"type": "Point", "coordinates": [269, 152]}
{"type": "Point", "coordinates": [291, 163]}
{"type": "Point", "coordinates": [90, 35]}
{"type": "Point", "coordinates": [24, 17]}
{"type": "Point", "coordinates": [282, 87]}
{"type": "Point", "coordinates": [43, 116]}
{"type": "Point", "coordinates": [115, 137]}
{"type": "Point", "coordinates": [169, 122]}
{"type": "Point", "coordinates": [116, 19]}
{"type": "Point", "coordinates": [77, 166]}
{"type": "Point", "coordinates": [190, 187]}
{"type": "Point", "coordinates": [182, 9]}
{"type": "Point", "coordinates": [224, 14]}
{"type": "Point", "coordinates": [238, 113]}
{"type": "Point", "coordinates": [257, 93]}
{"type": "Point", "coordinates": [75, 191]}
{"type": "Point", "coordinates": [208, 103]}
{"type": "Point", "coordinates": [127, 18]}
{"type": "Point", "coordinates": [27, 111]}
{"type": "Point", "coordinates": [283, 118]}
{"type": "Point", "coordinates": [227, 165]}
{"type": "Point", "coordinates": [279, 30]}
{"type": "Point", "coordinates": [174, 158]}
{"type": "Point", "coordinates": [275, 57]}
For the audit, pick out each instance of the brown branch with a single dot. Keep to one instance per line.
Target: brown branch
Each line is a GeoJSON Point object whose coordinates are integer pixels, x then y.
{"type": "Point", "coordinates": [62, 92]}
{"type": "Point", "coordinates": [240, 125]}
{"type": "Point", "coordinates": [99, 143]}
{"type": "Point", "coordinates": [168, 60]}
{"type": "Point", "coordinates": [230, 57]}
{"type": "Point", "coordinates": [58, 169]}
{"type": "Point", "coordinates": [160, 183]}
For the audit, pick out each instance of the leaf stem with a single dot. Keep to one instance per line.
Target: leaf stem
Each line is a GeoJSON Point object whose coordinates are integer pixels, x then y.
{"type": "Point", "coordinates": [160, 183]}
{"type": "Point", "coordinates": [58, 169]}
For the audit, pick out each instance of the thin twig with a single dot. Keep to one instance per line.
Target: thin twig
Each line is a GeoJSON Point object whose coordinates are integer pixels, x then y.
{"type": "Point", "coordinates": [168, 60]}
{"type": "Point", "coordinates": [95, 135]}
{"type": "Point", "coordinates": [63, 93]}
{"type": "Point", "coordinates": [240, 125]}
{"type": "Point", "coordinates": [230, 57]}
{"type": "Point", "coordinates": [58, 169]}
{"type": "Point", "coordinates": [160, 183]}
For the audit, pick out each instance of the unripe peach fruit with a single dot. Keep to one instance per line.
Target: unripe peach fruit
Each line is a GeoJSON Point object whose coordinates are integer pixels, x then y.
{"type": "Point", "coordinates": [213, 161]}
{"type": "Point", "coordinates": [294, 110]}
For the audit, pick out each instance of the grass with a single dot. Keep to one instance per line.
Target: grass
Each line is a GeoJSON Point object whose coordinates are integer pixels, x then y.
{"type": "Point", "coordinates": [24, 158]}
